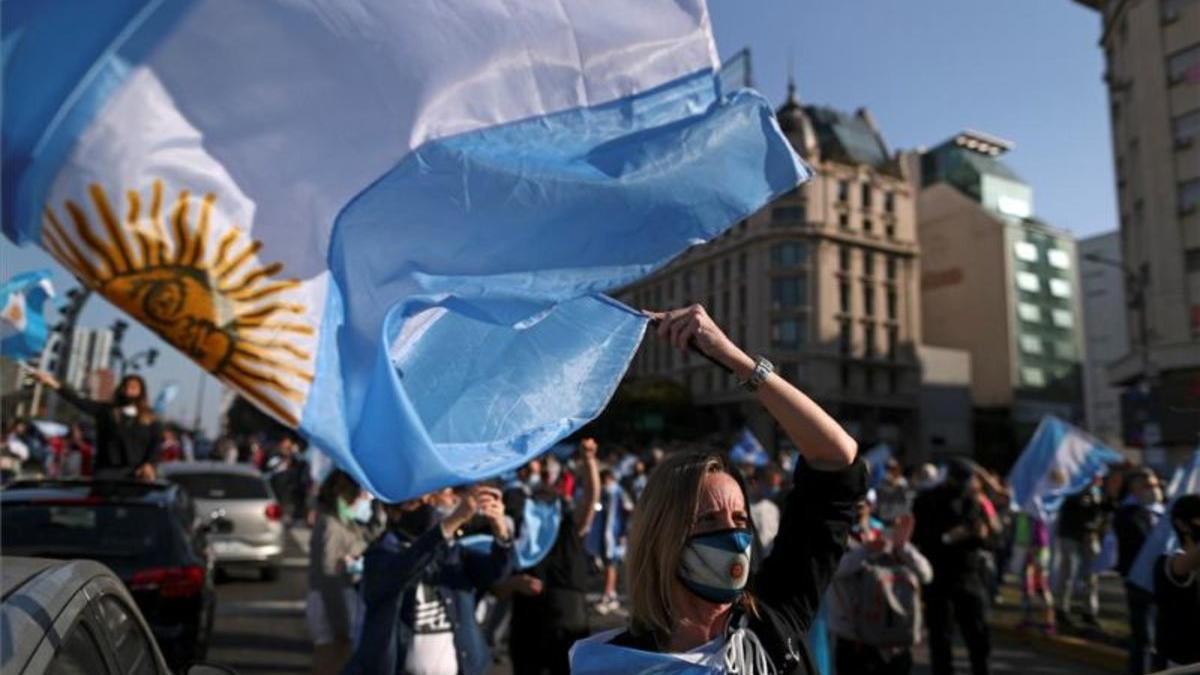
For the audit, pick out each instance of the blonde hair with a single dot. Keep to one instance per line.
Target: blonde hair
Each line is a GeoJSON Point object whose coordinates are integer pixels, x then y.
{"type": "Point", "coordinates": [662, 522]}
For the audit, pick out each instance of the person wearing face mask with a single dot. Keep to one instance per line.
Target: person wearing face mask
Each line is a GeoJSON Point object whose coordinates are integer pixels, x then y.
{"type": "Point", "coordinates": [1136, 517]}
{"type": "Point", "coordinates": [420, 588]}
{"type": "Point", "coordinates": [338, 541]}
{"type": "Point", "coordinates": [128, 435]}
{"type": "Point", "coordinates": [699, 598]}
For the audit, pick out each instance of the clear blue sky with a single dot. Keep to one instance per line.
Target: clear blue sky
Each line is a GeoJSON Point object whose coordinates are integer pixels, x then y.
{"type": "Point", "coordinates": [1025, 70]}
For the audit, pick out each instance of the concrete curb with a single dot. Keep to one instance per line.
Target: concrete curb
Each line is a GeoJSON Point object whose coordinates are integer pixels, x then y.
{"type": "Point", "coordinates": [1094, 654]}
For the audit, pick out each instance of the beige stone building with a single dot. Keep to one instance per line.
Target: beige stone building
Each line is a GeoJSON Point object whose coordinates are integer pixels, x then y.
{"type": "Point", "coordinates": [1001, 285]}
{"type": "Point", "coordinates": [1152, 56]}
{"type": "Point", "coordinates": [823, 282]}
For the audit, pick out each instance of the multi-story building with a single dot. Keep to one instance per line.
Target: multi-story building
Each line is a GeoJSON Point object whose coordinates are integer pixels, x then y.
{"type": "Point", "coordinates": [1152, 71]}
{"type": "Point", "coordinates": [1106, 341]}
{"type": "Point", "coordinates": [823, 281]}
{"type": "Point", "coordinates": [90, 350]}
{"type": "Point", "coordinates": [1001, 285]}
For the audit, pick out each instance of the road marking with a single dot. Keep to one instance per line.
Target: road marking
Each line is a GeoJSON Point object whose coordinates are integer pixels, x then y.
{"type": "Point", "coordinates": [260, 608]}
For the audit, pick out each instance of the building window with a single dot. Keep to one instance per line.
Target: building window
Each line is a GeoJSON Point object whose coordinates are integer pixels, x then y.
{"type": "Point", "coordinates": [843, 194]}
{"type": "Point", "coordinates": [1064, 350]}
{"type": "Point", "coordinates": [1186, 127]}
{"type": "Point", "coordinates": [712, 275]}
{"type": "Point", "coordinates": [891, 305]}
{"type": "Point", "coordinates": [893, 342]}
{"type": "Point", "coordinates": [1028, 281]}
{"type": "Point", "coordinates": [890, 268]}
{"type": "Point", "coordinates": [889, 202]}
{"type": "Point", "coordinates": [709, 383]}
{"type": "Point", "coordinates": [844, 221]}
{"type": "Point", "coordinates": [688, 277]}
{"type": "Point", "coordinates": [671, 290]}
{"type": "Point", "coordinates": [844, 259]}
{"type": "Point", "coordinates": [866, 196]}
{"type": "Point", "coordinates": [725, 304]}
{"type": "Point", "coordinates": [890, 231]}
{"type": "Point", "coordinates": [1031, 344]}
{"type": "Point", "coordinates": [1060, 288]}
{"type": "Point", "coordinates": [869, 340]}
{"type": "Point", "coordinates": [1059, 258]}
{"type": "Point", "coordinates": [868, 299]}
{"type": "Point", "coordinates": [845, 376]}
{"type": "Point", "coordinates": [742, 299]}
{"type": "Point", "coordinates": [789, 292]}
{"type": "Point", "coordinates": [1062, 318]}
{"type": "Point", "coordinates": [868, 226]}
{"type": "Point", "coordinates": [1182, 65]}
{"type": "Point", "coordinates": [868, 263]}
{"type": "Point", "coordinates": [789, 254]}
{"type": "Point", "coordinates": [1033, 377]}
{"type": "Point", "coordinates": [788, 333]}
{"type": "Point", "coordinates": [726, 270]}
{"type": "Point", "coordinates": [787, 215]}
{"type": "Point", "coordinates": [869, 385]}
{"type": "Point", "coordinates": [844, 338]}
{"type": "Point", "coordinates": [1189, 194]}
{"type": "Point", "coordinates": [893, 382]}
{"type": "Point", "coordinates": [742, 264]}
{"type": "Point", "coordinates": [1172, 8]}
{"type": "Point", "coordinates": [1025, 251]}
{"type": "Point", "coordinates": [1030, 313]}
{"type": "Point", "coordinates": [844, 297]}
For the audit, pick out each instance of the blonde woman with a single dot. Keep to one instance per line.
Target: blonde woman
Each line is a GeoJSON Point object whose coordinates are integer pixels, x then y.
{"type": "Point", "coordinates": [695, 606]}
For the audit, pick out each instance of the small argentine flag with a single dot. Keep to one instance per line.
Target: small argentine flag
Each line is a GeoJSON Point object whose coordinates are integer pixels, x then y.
{"type": "Point", "coordinates": [388, 224]}
{"type": "Point", "coordinates": [22, 318]}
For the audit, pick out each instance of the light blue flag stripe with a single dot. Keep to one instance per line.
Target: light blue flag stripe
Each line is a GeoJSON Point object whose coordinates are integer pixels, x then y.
{"type": "Point", "coordinates": [513, 230]}
{"type": "Point", "coordinates": [62, 60]}
{"type": "Point", "coordinates": [1056, 444]}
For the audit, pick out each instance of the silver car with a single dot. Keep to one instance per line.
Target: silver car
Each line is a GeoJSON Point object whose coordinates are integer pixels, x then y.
{"type": "Point", "coordinates": [252, 531]}
{"type": "Point", "coordinates": [75, 617]}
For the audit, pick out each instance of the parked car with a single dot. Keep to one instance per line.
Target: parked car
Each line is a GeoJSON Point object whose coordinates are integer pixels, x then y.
{"type": "Point", "coordinates": [147, 533]}
{"type": "Point", "coordinates": [240, 494]}
{"type": "Point", "coordinates": [75, 617]}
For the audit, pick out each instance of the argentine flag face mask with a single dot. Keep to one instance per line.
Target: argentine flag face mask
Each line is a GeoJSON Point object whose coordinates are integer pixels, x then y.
{"type": "Point", "coordinates": [715, 565]}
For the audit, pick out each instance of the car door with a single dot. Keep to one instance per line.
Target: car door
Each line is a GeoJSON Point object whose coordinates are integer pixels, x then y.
{"type": "Point", "coordinates": [81, 652]}
{"type": "Point", "coordinates": [130, 645]}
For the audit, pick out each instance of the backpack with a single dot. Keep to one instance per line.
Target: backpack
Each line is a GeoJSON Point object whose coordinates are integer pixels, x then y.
{"type": "Point", "coordinates": [884, 602]}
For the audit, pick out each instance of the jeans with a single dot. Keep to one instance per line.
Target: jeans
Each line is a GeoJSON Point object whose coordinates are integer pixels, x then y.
{"type": "Point", "coordinates": [1141, 630]}
{"type": "Point", "coordinates": [969, 604]}
{"type": "Point", "coordinates": [1075, 560]}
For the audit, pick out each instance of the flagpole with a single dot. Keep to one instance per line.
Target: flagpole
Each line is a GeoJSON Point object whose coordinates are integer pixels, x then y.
{"type": "Point", "coordinates": [199, 403]}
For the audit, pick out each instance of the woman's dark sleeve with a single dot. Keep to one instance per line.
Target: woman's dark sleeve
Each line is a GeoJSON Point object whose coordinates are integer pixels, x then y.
{"type": "Point", "coordinates": [389, 570]}
{"type": "Point", "coordinates": [813, 532]}
{"type": "Point", "coordinates": [80, 401]}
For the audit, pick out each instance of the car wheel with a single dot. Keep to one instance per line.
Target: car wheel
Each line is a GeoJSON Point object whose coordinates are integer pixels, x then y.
{"type": "Point", "coordinates": [269, 573]}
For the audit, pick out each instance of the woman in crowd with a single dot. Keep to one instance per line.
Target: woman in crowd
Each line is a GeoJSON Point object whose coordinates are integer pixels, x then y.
{"type": "Point", "coordinates": [693, 600]}
{"type": "Point", "coordinates": [335, 554]}
{"type": "Point", "coordinates": [128, 434]}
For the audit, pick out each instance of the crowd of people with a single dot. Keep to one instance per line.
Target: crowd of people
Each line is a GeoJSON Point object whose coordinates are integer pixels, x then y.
{"type": "Point", "coordinates": [702, 561]}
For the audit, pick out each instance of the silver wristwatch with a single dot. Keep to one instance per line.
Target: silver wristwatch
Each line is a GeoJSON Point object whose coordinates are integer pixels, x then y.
{"type": "Point", "coordinates": [762, 368]}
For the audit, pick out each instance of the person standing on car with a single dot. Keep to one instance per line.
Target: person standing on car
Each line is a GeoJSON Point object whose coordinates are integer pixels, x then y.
{"type": "Point", "coordinates": [335, 549]}
{"type": "Point", "coordinates": [128, 434]}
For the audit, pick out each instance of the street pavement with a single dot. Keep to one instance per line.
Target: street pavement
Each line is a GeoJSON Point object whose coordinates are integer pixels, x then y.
{"type": "Point", "coordinates": [260, 628]}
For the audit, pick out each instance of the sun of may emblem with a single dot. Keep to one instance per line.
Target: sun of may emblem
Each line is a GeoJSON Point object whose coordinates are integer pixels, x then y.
{"type": "Point", "coordinates": [195, 282]}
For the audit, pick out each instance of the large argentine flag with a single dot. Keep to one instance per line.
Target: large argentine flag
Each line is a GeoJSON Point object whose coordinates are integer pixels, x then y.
{"type": "Point", "coordinates": [1056, 447]}
{"type": "Point", "coordinates": [22, 314]}
{"type": "Point", "coordinates": [389, 224]}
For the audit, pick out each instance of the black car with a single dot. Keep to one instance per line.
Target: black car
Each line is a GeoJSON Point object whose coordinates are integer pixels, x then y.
{"type": "Point", "coordinates": [147, 533]}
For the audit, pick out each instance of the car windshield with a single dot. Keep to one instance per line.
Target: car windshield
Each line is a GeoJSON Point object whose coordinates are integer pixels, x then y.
{"type": "Point", "coordinates": [221, 485]}
{"type": "Point", "coordinates": [85, 530]}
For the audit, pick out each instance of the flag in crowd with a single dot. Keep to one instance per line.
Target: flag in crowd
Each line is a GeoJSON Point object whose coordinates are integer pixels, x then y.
{"type": "Point", "coordinates": [1059, 460]}
{"type": "Point", "coordinates": [747, 450]}
{"type": "Point", "coordinates": [324, 203]}
{"type": "Point", "coordinates": [22, 314]}
{"type": "Point", "coordinates": [877, 459]}
{"type": "Point", "coordinates": [165, 396]}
